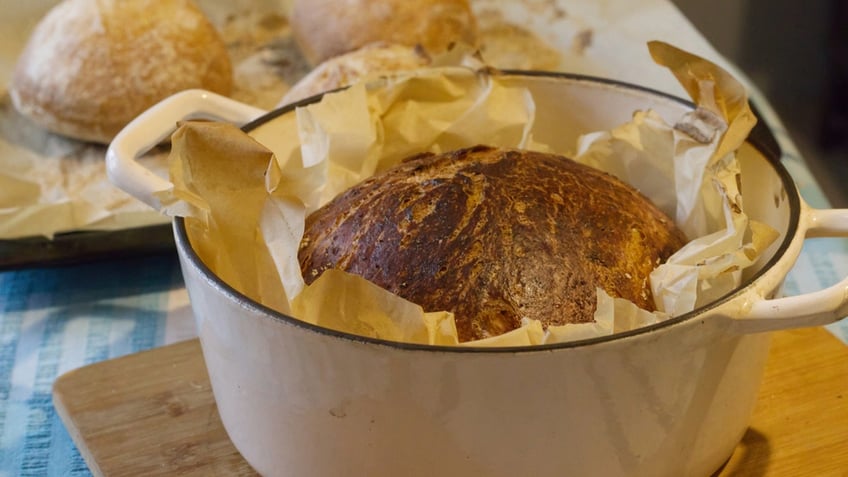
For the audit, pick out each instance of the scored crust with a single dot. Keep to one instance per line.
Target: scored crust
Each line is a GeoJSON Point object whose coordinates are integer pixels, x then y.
{"type": "Point", "coordinates": [327, 28]}
{"type": "Point", "coordinates": [91, 66]}
{"type": "Point", "coordinates": [495, 236]}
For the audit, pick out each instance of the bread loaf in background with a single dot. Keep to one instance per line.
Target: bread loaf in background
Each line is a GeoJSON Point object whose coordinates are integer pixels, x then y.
{"type": "Point", "coordinates": [92, 66]}
{"type": "Point", "coordinates": [327, 28]}
{"type": "Point", "coordinates": [494, 235]}
{"type": "Point", "coordinates": [373, 59]}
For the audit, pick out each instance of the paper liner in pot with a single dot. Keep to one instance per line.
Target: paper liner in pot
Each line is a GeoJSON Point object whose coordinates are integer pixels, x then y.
{"type": "Point", "coordinates": [246, 202]}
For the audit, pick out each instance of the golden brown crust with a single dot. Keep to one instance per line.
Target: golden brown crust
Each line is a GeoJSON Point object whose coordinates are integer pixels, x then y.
{"type": "Point", "coordinates": [92, 66]}
{"type": "Point", "coordinates": [327, 28]}
{"type": "Point", "coordinates": [495, 236]}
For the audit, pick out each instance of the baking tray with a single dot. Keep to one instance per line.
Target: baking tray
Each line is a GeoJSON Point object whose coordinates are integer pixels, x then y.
{"type": "Point", "coordinates": [82, 247]}
{"type": "Point", "coordinates": [265, 61]}
{"type": "Point", "coordinates": [259, 39]}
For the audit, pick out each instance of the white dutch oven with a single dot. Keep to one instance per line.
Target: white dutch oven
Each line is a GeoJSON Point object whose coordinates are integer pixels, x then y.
{"type": "Point", "coordinates": [672, 399]}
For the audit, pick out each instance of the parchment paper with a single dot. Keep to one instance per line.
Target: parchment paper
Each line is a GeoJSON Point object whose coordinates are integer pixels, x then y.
{"type": "Point", "coordinates": [246, 203]}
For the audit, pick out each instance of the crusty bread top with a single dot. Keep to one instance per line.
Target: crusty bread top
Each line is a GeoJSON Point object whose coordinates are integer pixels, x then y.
{"type": "Point", "coordinates": [494, 236]}
{"type": "Point", "coordinates": [327, 28]}
{"type": "Point", "coordinates": [343, 70]}
{"type": "Point", "coordinates": [91, 66]}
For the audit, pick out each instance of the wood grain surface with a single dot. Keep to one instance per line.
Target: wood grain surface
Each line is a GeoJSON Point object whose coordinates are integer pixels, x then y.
{"type": "Point", "coordinates": [153, 413]}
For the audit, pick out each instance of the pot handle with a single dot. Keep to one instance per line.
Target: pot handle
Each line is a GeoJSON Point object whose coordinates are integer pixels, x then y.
{"type": "Point", "coordinates": [817, 308]}
{"type": "Point", "coordinates": [155, 125]}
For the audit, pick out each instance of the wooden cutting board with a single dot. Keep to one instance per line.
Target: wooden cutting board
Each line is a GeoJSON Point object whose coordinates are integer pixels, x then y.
{"type": "Point", "coordinates": [153, 413]}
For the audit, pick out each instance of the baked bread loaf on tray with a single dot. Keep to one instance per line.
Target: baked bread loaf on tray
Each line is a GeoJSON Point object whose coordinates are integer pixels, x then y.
{"type": "Point", "coordinates": [327, 28]}
{"type": "Point", "coordinates": [494, 235]}
{"type": "Point", "coordinates": [91, 66]}
{"type": "Point", "coordinates": [343, 70]}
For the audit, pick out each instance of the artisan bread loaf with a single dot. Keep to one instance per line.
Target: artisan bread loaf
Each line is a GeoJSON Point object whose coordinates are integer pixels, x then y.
{"type": "Point", "coordinates": [91, 66]}
{"type": "Point", "coordinates": [494, 235]}
{"type": "Point", "coordinates": [327, 28]}
{"type": "Point", "coordinates": [373, 59]}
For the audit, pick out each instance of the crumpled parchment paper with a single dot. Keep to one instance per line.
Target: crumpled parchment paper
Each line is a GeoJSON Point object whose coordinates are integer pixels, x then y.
{"type": "Point", "coordinates": [245, 202]}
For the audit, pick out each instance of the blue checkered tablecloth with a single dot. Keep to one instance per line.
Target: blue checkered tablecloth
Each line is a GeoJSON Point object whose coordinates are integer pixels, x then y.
{"type": "Point", "coordinates": [53, 320]}
{"type": "Point", "coordinates": [57, 319]}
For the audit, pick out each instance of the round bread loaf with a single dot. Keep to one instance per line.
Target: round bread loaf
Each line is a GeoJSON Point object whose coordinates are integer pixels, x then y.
{"type": "Point", "coordinates": [343, 70]}
{"type": "Point", "coordinates": [495, 236]}
{"type": "Point", "coordinates": [327, 28]}
{"type": "Point", "coordinates": [92, 66]}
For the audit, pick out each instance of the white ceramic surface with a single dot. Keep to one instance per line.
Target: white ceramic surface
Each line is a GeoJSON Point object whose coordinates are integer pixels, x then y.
{"type": "Point", "coordinates": [668, 400]}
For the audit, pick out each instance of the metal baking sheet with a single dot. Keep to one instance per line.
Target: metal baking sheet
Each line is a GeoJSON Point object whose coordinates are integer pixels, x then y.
{"type": "Point", "coordinates": [81, 247]}
{"type": "Point", "coordinates": [520, 34]}
{"type": "Point", "coordinates": [265, 62]}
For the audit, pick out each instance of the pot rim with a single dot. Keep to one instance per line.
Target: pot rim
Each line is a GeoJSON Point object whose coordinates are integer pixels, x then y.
{"type": "Point", "coordinates": [769, 150]}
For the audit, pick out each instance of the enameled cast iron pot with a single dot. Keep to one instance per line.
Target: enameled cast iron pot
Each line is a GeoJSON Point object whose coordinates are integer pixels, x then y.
{"type": "Point", "coordinates": [671, 399]}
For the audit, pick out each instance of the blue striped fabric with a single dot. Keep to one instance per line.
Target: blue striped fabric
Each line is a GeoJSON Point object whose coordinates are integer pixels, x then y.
{"type": "Point", "coordinates": [54, 320]}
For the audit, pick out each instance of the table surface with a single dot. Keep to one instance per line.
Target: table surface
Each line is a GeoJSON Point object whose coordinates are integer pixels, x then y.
{"type": "Point", "coordinates": [53, 320]}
